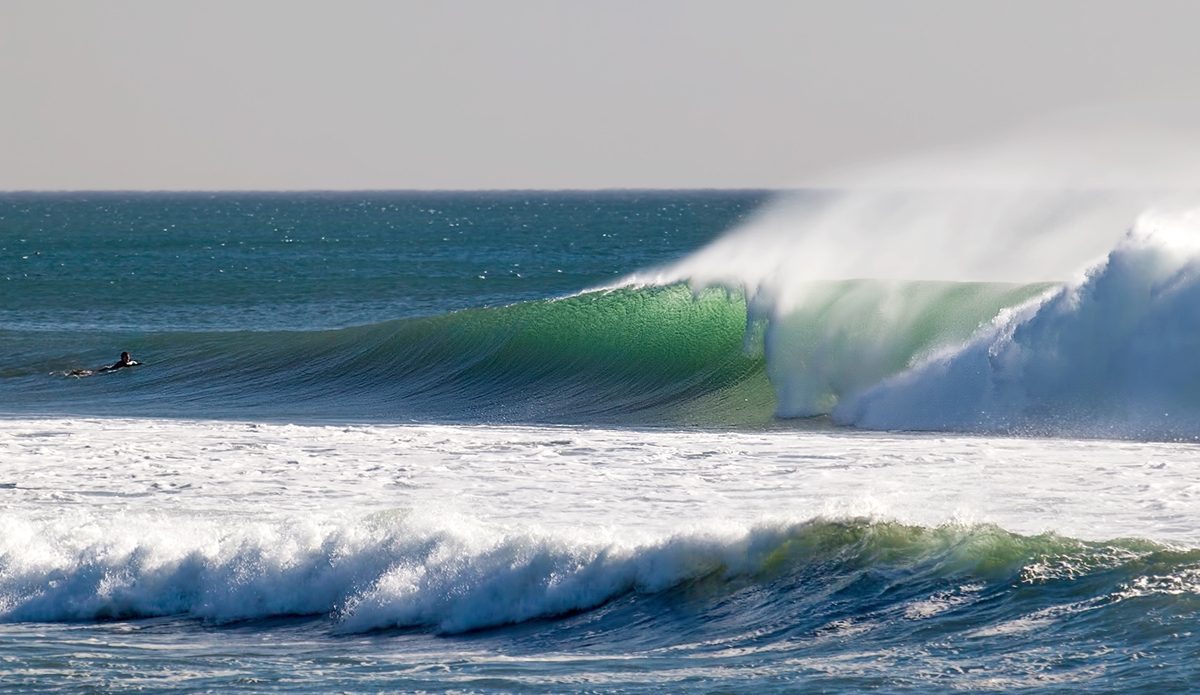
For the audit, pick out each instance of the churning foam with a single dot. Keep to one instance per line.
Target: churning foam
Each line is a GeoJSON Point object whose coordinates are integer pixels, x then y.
{"type": "Point", "coordinates": [457, 527]}
{"type": "Point", "coordinates": [1114, 353]}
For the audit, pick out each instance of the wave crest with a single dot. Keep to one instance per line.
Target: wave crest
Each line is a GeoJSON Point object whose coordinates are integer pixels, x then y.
{"type": "Point", "coordinates": [1113, 354]}
{"type": "Point", "coordinates": [399, 569]}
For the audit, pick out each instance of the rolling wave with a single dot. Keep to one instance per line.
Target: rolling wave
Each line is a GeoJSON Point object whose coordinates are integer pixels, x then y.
{"type": "Point", "coordinates": [1110, 354]}
{"type": "Point", "coordinates": [791, 588]}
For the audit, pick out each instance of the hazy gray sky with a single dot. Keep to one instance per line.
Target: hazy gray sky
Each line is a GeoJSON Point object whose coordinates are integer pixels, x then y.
{"type": "Point", "coordinates": [447, 94]}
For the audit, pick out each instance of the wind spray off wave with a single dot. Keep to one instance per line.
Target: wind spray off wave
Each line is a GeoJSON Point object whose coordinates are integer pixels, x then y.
{"type": "Point", "coordinates": [1116, 353]}
{"type": "Point", "coordinates": [890, 310]}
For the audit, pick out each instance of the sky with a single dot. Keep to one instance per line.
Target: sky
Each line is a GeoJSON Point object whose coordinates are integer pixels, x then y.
{"type": "Point", "coordinates": [296, 95]}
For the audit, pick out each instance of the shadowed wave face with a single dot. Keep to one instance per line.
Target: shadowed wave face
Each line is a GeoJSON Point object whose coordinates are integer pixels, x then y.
{"type": "Point", "coordinates": [386, 306]}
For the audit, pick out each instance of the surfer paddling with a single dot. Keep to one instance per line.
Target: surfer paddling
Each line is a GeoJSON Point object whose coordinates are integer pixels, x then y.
{"type": "Point", "coordinates": [125, 361]}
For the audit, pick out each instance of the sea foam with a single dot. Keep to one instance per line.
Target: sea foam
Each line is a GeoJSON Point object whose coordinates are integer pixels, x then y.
{"type": "Point", "coordinates": [452, 528]}
{"type": "Point", "coordinates": [1111, 354]}
{"type": "Point", "coordinates": [384, 571]}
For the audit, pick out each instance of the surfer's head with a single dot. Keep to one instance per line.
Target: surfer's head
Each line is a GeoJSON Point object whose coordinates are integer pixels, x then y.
{"type": "Point", "coordinates": [125, 357]}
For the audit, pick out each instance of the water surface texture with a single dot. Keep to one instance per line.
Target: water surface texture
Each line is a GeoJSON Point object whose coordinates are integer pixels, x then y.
{"type": "Point", "coordinates": [497, 442]}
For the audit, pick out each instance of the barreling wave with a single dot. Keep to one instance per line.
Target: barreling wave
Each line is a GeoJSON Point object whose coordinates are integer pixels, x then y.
{"type": "Point", "coordinates": [649, 356]}
{"type": "Point", "coordinates": [1113, 353]}
{"type": "Point", "coordinates": [627, 355]}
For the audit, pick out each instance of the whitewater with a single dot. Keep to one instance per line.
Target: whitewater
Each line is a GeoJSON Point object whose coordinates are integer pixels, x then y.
{"type": "Point", "coordinates": [580, 442]}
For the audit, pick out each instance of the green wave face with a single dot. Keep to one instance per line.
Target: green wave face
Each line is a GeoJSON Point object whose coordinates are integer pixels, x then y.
{"type": "Point", "coordinates": [654, 355]}
{"type": "Point", "coordinates": [630, 356]}
{"type": "Point", "coordinates": [847, 336]}
{"type": "Point", "coordinates": [984, 551]}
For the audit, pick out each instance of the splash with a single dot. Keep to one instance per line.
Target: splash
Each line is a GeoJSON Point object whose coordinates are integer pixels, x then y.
{"type": "Point", "coordinates": [1002, 289]}
{"type": "Point", "coordinates": [1114, 353]}
{"type": "Point", "coordinates": [449, 576]}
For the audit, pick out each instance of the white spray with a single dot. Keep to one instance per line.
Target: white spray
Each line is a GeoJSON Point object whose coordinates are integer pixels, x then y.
{"type": "Point", "coordinates": [1034, 210]}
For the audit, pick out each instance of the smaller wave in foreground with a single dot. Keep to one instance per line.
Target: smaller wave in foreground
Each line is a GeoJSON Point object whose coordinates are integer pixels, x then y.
{"type": "Point", "coordinates": [819, 591]}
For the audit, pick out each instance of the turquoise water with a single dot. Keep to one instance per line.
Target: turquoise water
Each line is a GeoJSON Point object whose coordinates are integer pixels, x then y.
{"type": "Point", "coordinates": [199, 262]}
{"type": "Point", "coordinates": [372, 307]}
{"type": "Point", "coordinates": [454, 363]}
{"type": "Point", "coordinates": [406, 307]}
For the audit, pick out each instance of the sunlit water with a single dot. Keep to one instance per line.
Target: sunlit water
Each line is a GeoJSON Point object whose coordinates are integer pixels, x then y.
{"type": "Point", "coordinates": [391, 443]}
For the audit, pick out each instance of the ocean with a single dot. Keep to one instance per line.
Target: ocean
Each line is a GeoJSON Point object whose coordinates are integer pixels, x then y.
{"type": "Point", "coordinates": [569, 442]}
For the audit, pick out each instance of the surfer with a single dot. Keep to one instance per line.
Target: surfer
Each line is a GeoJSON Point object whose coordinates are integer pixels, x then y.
{"type": "Point", "coordinates": [125, 361]}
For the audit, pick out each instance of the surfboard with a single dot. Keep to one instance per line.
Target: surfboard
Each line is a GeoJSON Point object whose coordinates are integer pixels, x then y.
{"type": "Point", "coordinates": [80, 373]}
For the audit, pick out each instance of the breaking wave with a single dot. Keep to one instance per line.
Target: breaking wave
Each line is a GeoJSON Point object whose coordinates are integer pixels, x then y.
{"type": "Point", "coordinates": [781, 581]}
{"type": "Point", "coordinates": [1116, 353]}
{"type": "Point", "coordinates": [1109, 353]}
